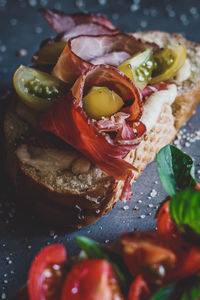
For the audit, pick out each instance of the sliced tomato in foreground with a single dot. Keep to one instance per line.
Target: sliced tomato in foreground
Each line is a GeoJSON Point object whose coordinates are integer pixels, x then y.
{"type": "Point", "coordinates": [160, 258]}
{"type": "Point", "coordinates": [165, 224]}
{"type": "Point", "coordinates": [46, 274]}
{"type": "Point", "coordinates": [92, 279]}
{"type": "Point", "coordinates": [139, 289]}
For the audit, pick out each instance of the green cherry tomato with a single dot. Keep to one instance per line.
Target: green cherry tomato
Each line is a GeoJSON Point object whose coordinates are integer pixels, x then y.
{"type": "Point", "coordinates": [139, 68]}
{"type": "Point", "coordinates": [37, 89]}
{"type": "Point", "coordinates": [49, 53]}
{"type": "Point", "coordinates": [167, 63]}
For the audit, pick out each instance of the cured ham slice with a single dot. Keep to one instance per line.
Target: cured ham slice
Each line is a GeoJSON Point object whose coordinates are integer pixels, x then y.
{"type": "Point", "coordinates": [68, 120]}
{"type": "Point", "coordinates": [114, 58]}
{"type": "Point", "coordinates": [82, 51]}
{"type": "Point", "coordinates": [150, 89]}
{"type": "Point", "coordinates": [87, 29]}
{"type": "Point", "coordinates": [63, 22]}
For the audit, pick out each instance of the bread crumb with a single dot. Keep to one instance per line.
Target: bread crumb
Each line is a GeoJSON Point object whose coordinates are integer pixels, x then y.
{"type": "Point", "coordinates": [136, 208]}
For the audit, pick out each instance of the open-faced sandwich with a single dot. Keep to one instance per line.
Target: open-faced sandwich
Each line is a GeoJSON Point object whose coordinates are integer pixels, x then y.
{"type": "Point", "coordinates": [80, 133]}
{"type": "Point", "coordinates": [154, 265]}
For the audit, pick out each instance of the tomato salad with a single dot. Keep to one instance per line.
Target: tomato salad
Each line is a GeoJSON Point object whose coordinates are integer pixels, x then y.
{"type": "Point", "coordinates": [161, 264]}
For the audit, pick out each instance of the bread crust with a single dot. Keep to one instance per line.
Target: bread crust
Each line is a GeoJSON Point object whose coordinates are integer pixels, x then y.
{"type": "Point", "coordinates": [184, 106]}
{"type": "Point", "coordinates": [75, 209]}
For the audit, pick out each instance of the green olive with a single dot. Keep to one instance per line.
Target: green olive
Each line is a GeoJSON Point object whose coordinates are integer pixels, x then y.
{"type": "Point", "coordinates": [167, 63]}
{"type": "Point", "coordinates": [37, 89]}
{"type": "Point", "coordinates": [139, 68]}
{"type": "Point", "coordinates": [49, 53]}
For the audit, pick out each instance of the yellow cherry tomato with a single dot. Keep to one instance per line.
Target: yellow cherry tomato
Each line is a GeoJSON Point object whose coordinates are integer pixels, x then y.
{"type": "Point", "coordinates": [167, 63]}
{"type": "Point", "coordinates": [49, 53]}
{"type": "Point", "coordinates": [101, 102]}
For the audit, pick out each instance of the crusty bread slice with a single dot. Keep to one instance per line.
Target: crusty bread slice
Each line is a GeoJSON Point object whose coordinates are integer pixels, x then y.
{"type": "Point", "coordinates": [69, 194]}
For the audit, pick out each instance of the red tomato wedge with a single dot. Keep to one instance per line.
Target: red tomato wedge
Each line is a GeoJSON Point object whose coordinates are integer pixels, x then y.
{"type": "Point", "coordinates": [160, 258]}
{"type": "Point", "coordinates": [165, 224]}
{"type": "Point", "coordinates": [46, 273]}
{"type": "Point", "coordinates": [67, 119]}
{"type": "Point", "coordinates": [188, 263]}
{"type": "Point", "coordinates": [139, 289]}
{"type": "Point", "coordinates": [91, 279]}
{"type": "Point", "coordinates": [197, 186]}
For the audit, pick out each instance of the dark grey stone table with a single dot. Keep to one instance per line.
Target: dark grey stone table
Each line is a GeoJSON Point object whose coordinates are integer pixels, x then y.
{"type": "Point", "coordinates": [22, 28]}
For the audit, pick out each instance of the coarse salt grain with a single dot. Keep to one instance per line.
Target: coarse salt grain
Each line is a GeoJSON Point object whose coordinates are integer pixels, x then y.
{"type": "Point", "coordinates": [153, 193]}
{"type": "Point", "coordinates": [125, 207]}
{"type": "Point", "coordinates": [3, 296]}
{"type": "Point", "coordinates": [142, 216]}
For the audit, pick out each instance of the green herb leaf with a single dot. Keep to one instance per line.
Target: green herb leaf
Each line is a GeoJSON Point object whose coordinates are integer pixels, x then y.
{"type": "Point", "coordinates": [94, 250]}
{"type": "Point", "coordinates": [175, 169]}
{"type": "Point", "coordinates": [164, 293]}
{"type": "Point", "coordinates": [185, 210]}
{"type": "Point", "coordinates": [187, 289]}
{"type": "Point", "coordinates": [192, 289]}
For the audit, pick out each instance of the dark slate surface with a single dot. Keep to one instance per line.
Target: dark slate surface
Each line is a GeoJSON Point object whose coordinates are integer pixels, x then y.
{"type": "Point", "coordinates": [22, 27]}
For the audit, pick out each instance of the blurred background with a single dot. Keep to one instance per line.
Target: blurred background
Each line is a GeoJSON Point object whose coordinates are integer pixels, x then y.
{"type": "Point", "coordinates": [22, 28]}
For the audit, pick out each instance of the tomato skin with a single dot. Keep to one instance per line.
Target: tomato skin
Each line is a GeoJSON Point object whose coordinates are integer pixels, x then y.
{"type": "Point", "coordinates": [142, 251]}
{"type": "Point", "coordinates": [165, 224]}
{"type": "Point", "coordinates": [139, 289]}
{"type": "Point", "coordinates": [38, 90]}
{"type": "Point", "coordinates": [167, 71]}
{"type": "Point", "coordinates": [91, 279]}
{"type": "Point", "coordinates": [188, 263]}
{"type": "Point", "coordinates": [159, 258]}
{"type": "Point", "coordinates": [42, 270]}
{"type": "Point", "coordinates": [197, 186]}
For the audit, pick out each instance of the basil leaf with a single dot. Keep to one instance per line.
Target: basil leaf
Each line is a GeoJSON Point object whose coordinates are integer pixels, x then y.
{"type": "Point", "coordinates": [192, 290]}
{"type": "Point", "coordinates": [175, 169]}
{"type": "Point", "coordinates": [185, 210]}
{"type": "Point", "coordinates": [94, 250]}
{"type": "Point", "coordinates": [91, 247]}
{"type": "Point", "coordinates": [187, 289]}
{"type": "Point", "coordinates": [164, 293]}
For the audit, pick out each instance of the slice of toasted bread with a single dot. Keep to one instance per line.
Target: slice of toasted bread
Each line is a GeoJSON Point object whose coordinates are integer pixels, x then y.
{"type": "Point", "coordinates": [77, 193]}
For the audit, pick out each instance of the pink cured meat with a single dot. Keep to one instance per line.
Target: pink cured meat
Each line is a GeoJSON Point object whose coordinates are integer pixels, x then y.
{"type": "Point", "coordinates": [152, 88]}
{"type": "Point", "coordinates": [87, 29]}
{"type": "Point", "coordinates": [68, 120]}
{"type": "Point", "coordinates": [114, 58]}
{"type": "Point", "coordinates": [81, 51]}
{"type": "Point", "coordinates": [63, 22]}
